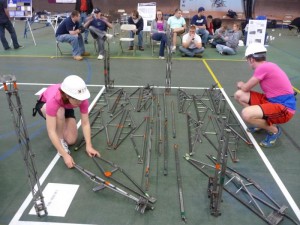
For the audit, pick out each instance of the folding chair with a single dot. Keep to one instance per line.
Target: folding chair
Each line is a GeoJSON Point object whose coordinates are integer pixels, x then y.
{"type": "Point", "coordinates": [124, 33]}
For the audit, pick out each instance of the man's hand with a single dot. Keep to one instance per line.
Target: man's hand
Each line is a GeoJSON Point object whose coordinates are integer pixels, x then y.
{"type": "Point", "coordinates": [239, 84]}
{"type": "Point", "coordinates": [69, 161]}
{"type": "Point", "coordinates": [92, 152]}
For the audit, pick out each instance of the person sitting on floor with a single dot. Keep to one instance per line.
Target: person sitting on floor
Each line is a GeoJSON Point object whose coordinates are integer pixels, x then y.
{"type": "Point", "coordinates": [276, 105]}
{"type": "Point", "coordinates": [158, 32]}
{"type": "Point", "coordinates": [232, 41]}
{"type": "Point", "coordinates": [138, 21]}
{"type": "Point", "coordinates": [191, 44]}
{"type": "Point", "coordinates": [218, 36]}
{"type": "Point", "coordinates": [98, 26]}
{"type": "Point", "coordinates": [178, 25]}
{"type": "Point", "coordinates": [69, 31]}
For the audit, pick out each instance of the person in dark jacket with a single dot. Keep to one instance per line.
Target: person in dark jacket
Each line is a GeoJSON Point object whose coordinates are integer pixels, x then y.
{"type": "Point", "coordinates": [85, 7]}
{"type": "Point", "coordinates": [138, 21]}
{"type": "Point", "coordinates": [5, 23]}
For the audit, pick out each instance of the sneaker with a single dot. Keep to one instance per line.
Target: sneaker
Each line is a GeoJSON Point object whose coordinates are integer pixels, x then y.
{"type": "Point", "coordinates": [19, 47]}
{"type": "Point", "coordinates": [109, 36]}
{"type": "Point", "coordinates": [65, 146]}
{"type": "Point", "coordinates": [86, 42]}
{"type": "Point", "coordinates": [271, 139]}
{"type": "Point", "coordinates": [183, 55]}
{"type": "Point", "coordinates": [253, 129]}
{"type": "Point", "coordinates": [173, 49]}
{"type": "Point", "coordinates": [100, 57]}
{"type": "Point", "coordinates": [161, 57]}
{"type": "Point", "coordinates": [78, 57]}
{"type": "Point", "coordinates": [198, 55]}
{"type": "Point", "coordinates": [85, 54]}
{"type": "Point", "coordinates": [141, 48]}
{"type": "Point", "coordinates": [130, 48]}
{"type": "Point", "coordinates": [7, 48]}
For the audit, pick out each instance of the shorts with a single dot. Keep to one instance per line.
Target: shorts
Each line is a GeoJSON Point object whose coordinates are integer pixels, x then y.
{"type": "Point", "coordinates": [69, 113]}
{"type": "Point", "coordinates": [273, 113]}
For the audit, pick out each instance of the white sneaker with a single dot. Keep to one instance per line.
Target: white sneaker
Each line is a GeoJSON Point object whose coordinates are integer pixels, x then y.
{"type": "Point", "coordinates": [174, 49]}
{"type": "Point", "coordinates": [109, 36]}
{"type": "Point", "coordinates": [65, 146]}
{"type": "Point", "coordinates": [161, 57]}
{"type": "Point", "coordinates": [100, 57]}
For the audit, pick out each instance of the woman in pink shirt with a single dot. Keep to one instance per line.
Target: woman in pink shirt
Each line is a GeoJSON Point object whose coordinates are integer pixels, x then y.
{"type": "Point", "coordinates": [56, 105]}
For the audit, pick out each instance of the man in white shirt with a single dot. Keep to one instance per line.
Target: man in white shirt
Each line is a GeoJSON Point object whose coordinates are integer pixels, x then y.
{"type": "Point", "coordinates": [191, 44]}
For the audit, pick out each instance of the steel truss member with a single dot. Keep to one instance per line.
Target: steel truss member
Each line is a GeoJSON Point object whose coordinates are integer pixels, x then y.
{"type": "Point", "coordinates": [109, 84]}
{"type": "Point", "coordinates": [15, 106]}
{"type": "Point", "coordinates": [142, 203]}
{"type": "Point", "coordinates": [169, 61]}
{"type": "Point", "coordinates": [238, 186]}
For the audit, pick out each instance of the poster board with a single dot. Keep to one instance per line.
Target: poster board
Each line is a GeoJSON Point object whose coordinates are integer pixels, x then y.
{"type": "Point", "coordinates": [65, 1]}
{"type": "Point", "coordinates": [256, 31]}
{"type": "Point", "coordinates": [148, 12]}
{"type": "Point", "coordinates": [19, 8]}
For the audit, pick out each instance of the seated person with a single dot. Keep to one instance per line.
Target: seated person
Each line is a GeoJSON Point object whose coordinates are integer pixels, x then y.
{"type": "Point", "coordinates": [199, 20]}
{"type": "Point", "coordinates": [178, 25]}
{"type": "Point", "coordinates": [68, 31]}
{"type": "Point", "coordinates": [232, 41]}
{"type": "Point", "coordinates": [158, 32]}
{"type": "Point", "coordinates": [138, 21]}
{"type": "Point", "coordinates": [218, 36]}
{"type": "Point", "coordinates": [210, 27]}
{"type": "Point", "coordinates": [98, 25]}
{"type": "Point", "coordinates": [191, 44]}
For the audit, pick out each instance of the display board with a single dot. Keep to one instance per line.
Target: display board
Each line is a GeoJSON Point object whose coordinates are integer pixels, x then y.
{"type": "Point", "coordinates": [19, 8]}
{"type": "Point", "coordinates": [212, 5]}
{"type": "Point", "coordinates": [61, 1]}
{"type": "Point", "coordinates": [147, 11]}
{"type": "Point", "coordinates": [256, 31]}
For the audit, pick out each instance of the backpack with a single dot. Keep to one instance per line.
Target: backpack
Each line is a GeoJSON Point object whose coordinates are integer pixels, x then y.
{"type": "Point", "coordinates": [231, 14]}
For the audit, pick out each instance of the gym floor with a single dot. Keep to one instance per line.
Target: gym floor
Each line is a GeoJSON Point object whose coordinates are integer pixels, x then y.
{"type": "Point", "coordinates": [37, 66]}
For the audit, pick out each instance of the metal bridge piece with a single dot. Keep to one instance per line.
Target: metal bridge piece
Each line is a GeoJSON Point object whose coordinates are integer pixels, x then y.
{"type": "Point", "coordinates": [184, 100]}
{"type": "Point", "coordinates": [194, 133]}
{"type": "Point", "coordinates": [99, 187]}
{"type": "Point", "coordinates": [15, 106]}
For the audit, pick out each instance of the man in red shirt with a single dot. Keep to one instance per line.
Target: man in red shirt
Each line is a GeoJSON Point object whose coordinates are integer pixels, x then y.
{"type": "Point", "coordinates": [85, 7]}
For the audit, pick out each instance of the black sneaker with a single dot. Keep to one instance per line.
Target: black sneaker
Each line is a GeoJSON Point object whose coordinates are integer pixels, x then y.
{"type": "Point", "coordinates": [141, 48]}
{"type": "Point", "coordinates": [130, 48]}
{"type": "Point", "coordinates": [198, 55]}
{"type": "Point", "coordinates": [19, 47]}
{"type": "Point", "coordinates": [86, 42]}
{"type": "Point", "coordinates": [7, 48]}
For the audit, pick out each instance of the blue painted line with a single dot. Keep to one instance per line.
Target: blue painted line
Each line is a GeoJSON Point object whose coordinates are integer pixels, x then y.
{"type": "Point", "coordinates": [17, 146]}
{"type": "Point", "coordinates": [8, 134]}
{"type": "Point", "coordinates": [89, 71]}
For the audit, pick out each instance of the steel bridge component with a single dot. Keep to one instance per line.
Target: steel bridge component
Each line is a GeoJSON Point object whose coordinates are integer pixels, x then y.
{"type": "Point", "coordinates": [15, 106]}
{"type": "Point", "coordinates": [183, 98]}
{"type": "Point", "coordinates": [145, 97]}
{"type": "Point", "coordinates": [179, 184]}
{"type": "Point", "coordinates": [141, 203]}
{"type": "Point", "coordinates": [166, 139]}
{"type": "Point", "coordinates": [168, 61]}
{"type": "Point", "coordinates": [194, 133]}
{"type": "Point", "coordinates": [234, 187]}
{"type": "Point", "coordinates": [109, 84]}
{"type": "Point", "coordinates": [115, 168]}
{"type": "Point", "coordinates": [173, 120]}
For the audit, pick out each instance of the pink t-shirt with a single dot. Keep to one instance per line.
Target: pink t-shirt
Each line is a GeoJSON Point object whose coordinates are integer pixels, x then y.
{"type": "Point", "coordinates": [160, 25]}
{"type": "Point", "coordinates": [273, 81]}
{"type": "Point", "coordinates": [52, 97]}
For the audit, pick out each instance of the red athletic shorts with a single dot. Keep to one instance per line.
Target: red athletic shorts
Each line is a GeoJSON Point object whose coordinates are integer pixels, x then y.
{"type": "Point", "coordinates": [273, 113]}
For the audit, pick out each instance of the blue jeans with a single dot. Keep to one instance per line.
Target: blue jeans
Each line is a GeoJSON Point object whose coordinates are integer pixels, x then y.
{"type": "Point", "coordinates": [191, 51]}
{"type": "Point", "coordinates": [162, 37]}
{"type": "Point", "coordinates": [140, 38]}
{"type": "Point", "coordinates": [75, 41]}
{"type": "Point", "coordinates": [10, 28]}
{"type": "Point", "coordinates": [204, 34]}
{"type": "Point", "coordinates": [83, 17]}
{"type": "Point", "coordinates": [225, 50]}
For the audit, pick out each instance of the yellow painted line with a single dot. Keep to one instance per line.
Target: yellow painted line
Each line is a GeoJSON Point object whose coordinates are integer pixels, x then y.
{"type": "Point", "coordinates": [212, 73]}
{"type": "Point", "coordinates": [297, 90]}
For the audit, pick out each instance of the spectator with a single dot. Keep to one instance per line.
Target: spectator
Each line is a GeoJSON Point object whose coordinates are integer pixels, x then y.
{"type": "Point", "coordinates": [219, 35]}
{"type": "Point", "coordinates": [85, 7]}
{"type": "Point", "coordinates": [138, 21]}
{"type": "Point", "coordinates": [5, 23]}
{"type": "Point", "coordinates": [191, 44]}
{"type": "Point", "coordinates": [68, 31]}
{"type": "Point", "coordinates": [276, 105]}
{"type": "Point", "coordinates": [231, 42]}
{"type": "Point", "coordinates": [178, 25]}
{"type": "Point", "coordinates": [199, 20]}
{"type": "Point", "coordinates": [98, 26]}
{"type": "Point", "coordinates": [210, 27]}
{"type": "Point", "coordinates": [158, 32]}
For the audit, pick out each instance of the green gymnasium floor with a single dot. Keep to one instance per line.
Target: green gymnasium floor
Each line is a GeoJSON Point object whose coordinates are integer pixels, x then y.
{"type": "Point", "coordinates": [37, 66]}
